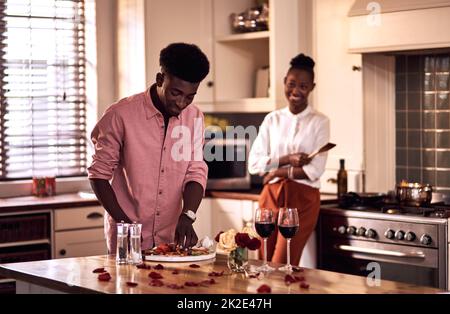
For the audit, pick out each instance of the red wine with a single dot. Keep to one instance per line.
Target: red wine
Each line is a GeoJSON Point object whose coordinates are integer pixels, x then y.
{"type": "Point", "coordinates": [288, 231]}
{"type": "Point", "coordinates": [264, 229]}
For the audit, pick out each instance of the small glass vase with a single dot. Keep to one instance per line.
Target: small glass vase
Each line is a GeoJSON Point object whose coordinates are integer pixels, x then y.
{"type": "Point", "coordinates": [238, 260]}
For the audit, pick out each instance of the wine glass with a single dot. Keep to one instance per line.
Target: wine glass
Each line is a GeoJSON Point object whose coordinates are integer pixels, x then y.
{"type": "Point", "coordinates": [264, 226]}
{"type": "Point", "coordinates": [288, 226]}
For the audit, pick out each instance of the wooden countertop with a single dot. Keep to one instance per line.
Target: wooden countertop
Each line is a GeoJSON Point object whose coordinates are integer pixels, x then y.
{"type": "Point", "coordinates": [25, 203]}
{"type": "Point", "coordinates": [75, 275]}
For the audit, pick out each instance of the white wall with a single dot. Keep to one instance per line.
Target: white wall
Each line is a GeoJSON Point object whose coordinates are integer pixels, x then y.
{"type": "Point", "coordinates": [338, 92]}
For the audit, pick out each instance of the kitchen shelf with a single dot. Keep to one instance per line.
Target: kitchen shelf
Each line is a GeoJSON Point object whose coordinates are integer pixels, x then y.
{"type": "Point", "coordinates": [245, 36]}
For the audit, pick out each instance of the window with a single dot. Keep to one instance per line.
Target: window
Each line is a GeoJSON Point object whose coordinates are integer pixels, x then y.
{"type": "Point", "coordinates": [42, 89]}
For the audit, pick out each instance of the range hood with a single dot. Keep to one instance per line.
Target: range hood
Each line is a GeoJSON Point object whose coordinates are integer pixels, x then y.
{"type": "Point", "coordinates": [398, 25]}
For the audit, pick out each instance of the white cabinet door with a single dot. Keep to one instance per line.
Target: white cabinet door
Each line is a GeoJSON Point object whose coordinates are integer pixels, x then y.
{"type": "Point", "coordinates": [80, 243]}
{"type": "Point", "coordinates": [226, 214]}
{"type": "Point", "coordinates": [202, 224]}
{"type": "Point", "coordinates": [168, 21]}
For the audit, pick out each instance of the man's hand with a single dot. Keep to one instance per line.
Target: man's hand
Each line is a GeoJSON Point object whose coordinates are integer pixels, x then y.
{"type": "Point", "coordinates": [299, 160]}
{"type": "Point", "coordinates": [185, 234]}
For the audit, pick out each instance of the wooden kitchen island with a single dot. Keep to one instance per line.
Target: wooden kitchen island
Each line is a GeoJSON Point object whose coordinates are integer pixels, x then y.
{"type": "Point", "coordinates": [75, 275]}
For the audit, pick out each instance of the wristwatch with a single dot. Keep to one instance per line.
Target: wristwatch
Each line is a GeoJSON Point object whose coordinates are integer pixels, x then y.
{"type": "Point", "coordinates": [191, 215]}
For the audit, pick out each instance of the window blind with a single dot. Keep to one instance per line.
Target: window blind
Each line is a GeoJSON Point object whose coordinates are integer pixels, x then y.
{"type": "Point", "coordinates": [42, 88]}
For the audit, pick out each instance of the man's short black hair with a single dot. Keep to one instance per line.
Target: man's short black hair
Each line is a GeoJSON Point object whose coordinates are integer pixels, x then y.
{"type": "Point", "coordinates": [303, 62]}
{"type": "Point", "coordinates": [185, 61]}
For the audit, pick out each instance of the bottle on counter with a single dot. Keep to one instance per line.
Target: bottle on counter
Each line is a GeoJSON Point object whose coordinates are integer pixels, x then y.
{"type": "Point", "coordinates": [341, 179]}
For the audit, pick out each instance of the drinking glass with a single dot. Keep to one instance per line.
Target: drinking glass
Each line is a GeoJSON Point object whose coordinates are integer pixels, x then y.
{"type": "Point", "coordinates": [122, 243]}
{"type": "Point", "coordinates": [264, 226]}
{"type": "Point", "coordinates": [135, 244]}
{"type": "Point", "coordinates": [288, 226]}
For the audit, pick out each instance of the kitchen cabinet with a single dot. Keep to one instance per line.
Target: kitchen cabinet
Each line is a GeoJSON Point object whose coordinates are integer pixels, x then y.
{"type": "Point", "coordinates": [79, 232]}
{"type": "Point", "coordinates": [235, 58]}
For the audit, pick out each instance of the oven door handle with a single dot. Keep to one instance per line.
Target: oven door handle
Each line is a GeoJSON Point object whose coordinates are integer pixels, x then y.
{"type": "Point", "coordinates": [356, 249]}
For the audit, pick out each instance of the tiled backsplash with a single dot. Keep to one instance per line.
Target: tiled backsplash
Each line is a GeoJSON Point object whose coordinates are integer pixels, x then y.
{"type": "Point", "coordinates": [423, 119]}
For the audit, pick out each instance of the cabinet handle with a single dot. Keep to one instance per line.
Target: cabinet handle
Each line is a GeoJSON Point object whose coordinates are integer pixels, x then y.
{"type": "Point", "coordinates": [210, 84]}
{"type": "Point", "coordinates": [94, 215]}
{"type": "Point", "coordinates": [62, 252]}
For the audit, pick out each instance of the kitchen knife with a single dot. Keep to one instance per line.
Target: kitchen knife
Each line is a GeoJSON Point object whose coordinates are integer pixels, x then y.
{"type": "Point", "coordinates": [323, 149]}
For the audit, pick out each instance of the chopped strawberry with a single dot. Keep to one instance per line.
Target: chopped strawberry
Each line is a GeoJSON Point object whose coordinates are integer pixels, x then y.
{"type": "Point", "coordinates": [194, 266]}
{"type": "Point", "coordinates": [155, 275]}
{"type": "Point", "coordinates": [99, 270]}
{"type": "Point", "coordinates": [131, 284]}
{"type": "Point", "coordinates": [264, 289]}
{"type": "Point", "coordinates": [156, 283]}
{"type": "Point", "coordinates": [104, 277]}
{"type": "Point", "coordinates": [158, 267]}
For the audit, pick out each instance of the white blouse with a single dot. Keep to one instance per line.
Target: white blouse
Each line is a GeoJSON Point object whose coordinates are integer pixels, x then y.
{"type": "Point", "coordinates": [283, 133]}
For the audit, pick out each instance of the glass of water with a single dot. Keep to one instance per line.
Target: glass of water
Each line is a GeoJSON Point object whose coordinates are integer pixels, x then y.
{"type": "Point", "coordinates": [122, 243]}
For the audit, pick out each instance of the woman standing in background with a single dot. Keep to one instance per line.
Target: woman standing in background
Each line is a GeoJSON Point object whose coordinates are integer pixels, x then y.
{"type": "Point", "coordinates": [280, 152]}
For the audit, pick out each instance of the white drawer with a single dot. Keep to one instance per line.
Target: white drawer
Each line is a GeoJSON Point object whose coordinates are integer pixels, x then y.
{"type": "Point", "coordinates": [80, 243]}
{"type": "Point", "coordinates": [78, 218]}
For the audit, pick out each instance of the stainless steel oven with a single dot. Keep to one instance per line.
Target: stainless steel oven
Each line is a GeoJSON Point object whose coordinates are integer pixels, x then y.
{"type": "Point", "coordinates": [407, 248]}
{"type": "Point", "coordinates": [227, 161]}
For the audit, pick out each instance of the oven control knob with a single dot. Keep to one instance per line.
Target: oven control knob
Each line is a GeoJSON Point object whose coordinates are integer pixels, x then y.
{"type": "Point", "coordinates": [426, 239]}
{"type": "Point", "coordinates": [390, 234]}
{"type": "Point", "coordinates": [351, 230]}
{"type": "Point", "coordinates": [361, 231]}
{"type": "Point", "coordinates": [371, 234]}
{"type": "Point", "coordinates": [410, 236]}
{"type": "Point", "coordinates": [342, 229]}
{"type": "Point", "coordinates": [399, 235]}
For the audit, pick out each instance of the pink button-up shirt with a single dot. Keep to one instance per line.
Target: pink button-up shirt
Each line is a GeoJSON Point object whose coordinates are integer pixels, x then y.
{"type": "Point", "coordinates": [148, 171]}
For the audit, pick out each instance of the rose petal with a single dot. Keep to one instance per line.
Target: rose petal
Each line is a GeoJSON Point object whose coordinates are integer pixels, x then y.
{"type": "Point", "coordinates": [158, 267]}
{"type": "Point", "coordinates": [288, 279]}
{"type": "Point", "coordinates": [104, 277]}
{"type": "Point", "coordinates": [217, 238]}
{"type": "Point", "coordinates": [191, 284]}
{"type": "Point", "coordinates": [299, 278]}
{"type": "Point", "coordinates": [209, 281]}
{"type": "Point", "coordinates": [99, 270]}
{"type": "Point", "coordinates": [175, 286]}
{"type": "Point", "coordinates": [215, 274]}
{"type": "Point", "coordinates": [304, 285]}
{"type": "Point", "coordinates": [175, 272]}
{"type": "Point", "coordinates": [194, 266]}
{"type": "Point", "coordinates": [131, 284]}
{"type": "Point", "coordinates": [155, 275]}
{"type": "Point", "coordinates": [156, 283]}
{"type": "Point", "coordinates": [264, 289]}
{"type": "Point", "coordinates": [144, 266]}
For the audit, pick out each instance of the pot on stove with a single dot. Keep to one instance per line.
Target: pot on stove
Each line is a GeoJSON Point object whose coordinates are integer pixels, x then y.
{"type": "Point", "coordinates": [361, 200]}
{"type": "Point", "coordinates": [414, 194]}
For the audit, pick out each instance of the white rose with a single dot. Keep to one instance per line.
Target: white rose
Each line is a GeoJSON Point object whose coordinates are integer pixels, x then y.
{"type": "Point", "coordinates": [227, 241]}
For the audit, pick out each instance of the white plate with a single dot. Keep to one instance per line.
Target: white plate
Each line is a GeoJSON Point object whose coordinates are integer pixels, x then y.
{"type": "Point", "coordinates": [189, 258]}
